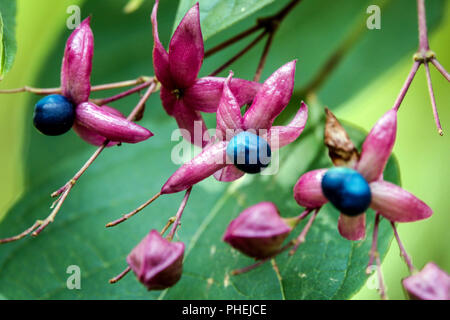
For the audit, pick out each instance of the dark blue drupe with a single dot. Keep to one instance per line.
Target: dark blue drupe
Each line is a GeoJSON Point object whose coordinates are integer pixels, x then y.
{"type": "Point", "coordinates": [347, 190]}
{"type": "Point", "coordinates": [54, 115]}
{"type": "Point", "coordinates": [249, 152]}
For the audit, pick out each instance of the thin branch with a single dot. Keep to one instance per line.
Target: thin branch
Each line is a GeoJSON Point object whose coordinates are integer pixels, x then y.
{"type": "Point", "coordinates": [406, 85]}
{"type": "Point", "coordinates": [373, 251]}
{"type": "Point", "coordinates": [232, 40]}
{"type": "Point", "coordinates": [121, 95]}
{"type": "Point", "coordinates": [262, 23]}
{"type": "Point", "coordinates": [120, 275]}
{"type": "Point", "coordinates": [21, 235]}
{"type": "Point", "coordinates": [440, 68]}
{"type": "Point", "coordinates": [422, 22]}
{"type": "Point", "coordinates": [433, 100]}
{"type": "Point", "coordinates": [302, 237]}
{"type": "Point", "coordinates": [168, 224]}
{"type": "Point", "coordinates": [262, 261]}
{"type": "Point", "coordinates": [239, 54]}
{"type": "Point", "coordinates": [382, 287]}
{"type": "Point", "coordinates": [375, 256]}
{"type": "Point", "coordinates": [179, 214]}
{"type": "Point", "coordinates": [40, 91]}
{"type": "Point", "coordinates": [132, 213]}
{"type": "Point", "coordinates": [114, 85]}
{"type": "Point", "coordinates": [263, 59]}
{"type": "Point", "coordinates": [403, 253]}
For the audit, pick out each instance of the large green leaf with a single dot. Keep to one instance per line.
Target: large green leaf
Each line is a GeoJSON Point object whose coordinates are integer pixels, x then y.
{"type": "Point", "coordinates": [7, 35]}
{"type": "Point", "coordinates": [325, 267]}
{"type": "Point", "coordinates": [217, 15]}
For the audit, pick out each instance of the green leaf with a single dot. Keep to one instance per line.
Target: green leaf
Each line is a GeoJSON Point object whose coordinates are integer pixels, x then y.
{"type": "Point", "coordinates": [7, 36]}
{"type": "Point", "coordinates": [326, 266]}
{"type": "Point", "coordinates": [133, 5]}
{"type": "Point", "coordinates": [217, 15]}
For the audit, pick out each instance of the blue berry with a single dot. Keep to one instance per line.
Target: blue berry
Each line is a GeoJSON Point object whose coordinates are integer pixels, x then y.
{"type": "Point", "coordinates": [347, 190]}
{"type": "Point", "coordinates": [54, 115]}
{"type": "Point", "coordinates": [249, 152]}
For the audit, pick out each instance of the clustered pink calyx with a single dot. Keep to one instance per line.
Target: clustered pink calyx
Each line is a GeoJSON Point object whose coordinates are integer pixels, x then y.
{"type": "Point", "coordinates": [268, 103]}
{"type": "Point", "coordinates": [183, 94]}
{"type": "Point", "coordinates": [93, 123]}
{"type": "Point", "coordinates": [391, 201]}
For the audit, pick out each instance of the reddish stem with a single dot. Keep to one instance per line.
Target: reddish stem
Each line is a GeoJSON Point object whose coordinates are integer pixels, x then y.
{"type": "Point", "coordinates": [302, 237]}
{"type": "Point", "coordinates": [64, 191]}
{"type": "Point", "coordinates": [422, 21]}
{"type": "Point", "coordinates": [132, 213]}
{"type": "Point", "coordinates": [263, 59]}
{"type": "Point", "coordinates": [382, 288]}
{"type": "Point", "coordinates": [232, 40]}
{"type": "Point", "coordinates": [373, 250]}
{"type": "Point", "coordinates": [179, 214]}
{"type": "Point", "coordinates": [107, 86]}
{"type": "Point", "coordinates": [440, 68]}
{"type": "Point", "coordinates": [121, 95]}
{"type": "Point", "coordinates": [120, 275]}
{"type": "Point", "coordinates": [406, 85]}
{"type": "Point", "coordinates": [374, 255]}
{"type": "Point", "coordinates": [239, 54]}
{"type": "Point", "coordinates": [433, 100]}
{"type": "Point", "coordinates": [403, 253]}
{"type": "Point", "coordinates": [262, 23]}
{"type": "Point", "coordinates": [262, 261]}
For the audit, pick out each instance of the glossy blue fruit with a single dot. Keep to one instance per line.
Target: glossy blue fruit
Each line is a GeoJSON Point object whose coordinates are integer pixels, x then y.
{"type": "Point", "coordinates": [347, 190]}
{"type": "Point", "coordinates": [249, 152]}
{"type": "Point", "coordinates": [54, 115]}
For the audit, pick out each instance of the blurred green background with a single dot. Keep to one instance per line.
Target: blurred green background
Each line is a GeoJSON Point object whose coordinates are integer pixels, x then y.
{"type": "Point", "coordinates": [422, 154]}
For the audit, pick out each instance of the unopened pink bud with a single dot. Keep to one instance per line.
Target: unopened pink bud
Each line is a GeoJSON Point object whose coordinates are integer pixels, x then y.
{"type": "Point", "coordinates": [157, 262]}
{"type": "Point", "coordinates": [431, 283]}
{"type": "Point", "coordinates": [258, 231]}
